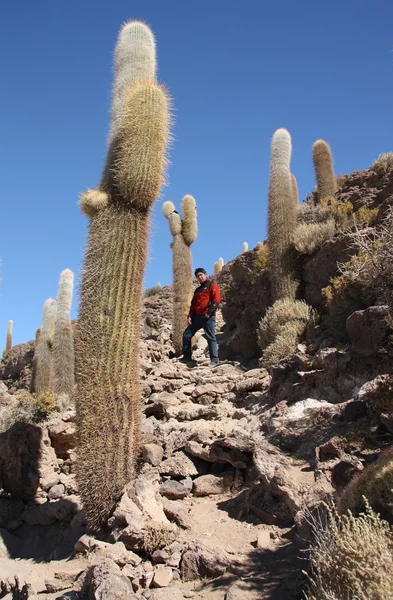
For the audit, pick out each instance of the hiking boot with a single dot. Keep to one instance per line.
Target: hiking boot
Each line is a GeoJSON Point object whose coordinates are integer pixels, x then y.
{"type": "Point", "coordinates": [214, 363]}
{"type": "Point", "coordinates": [187, 361]}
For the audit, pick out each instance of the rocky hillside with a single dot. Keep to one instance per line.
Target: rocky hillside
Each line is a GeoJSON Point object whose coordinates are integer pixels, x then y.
{"type": "Point", "coordinates": [234, 459]}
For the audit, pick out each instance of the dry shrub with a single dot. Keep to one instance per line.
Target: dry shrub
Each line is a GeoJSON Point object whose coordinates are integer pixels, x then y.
{"type": "Point", "coordinates": [341, 212]}
{"type": "Point", "coordinates": [28, 408]}
{"type": "Point", "coordinates": [157, 536]}
{"type": "Point", "coordinates": [351, 558]}
{"type": "Point", "coordinates": [281, 328]}
{"type": "Point", "coordinates": [341, 180]}
{"type": "Point", "coordinates": [261, 261]}
{"type": "Point", "coordinates": [383, 164]}
{"type": "Point", "coordinates": [312, 212]}
{"type": "Point", "coordinates": [307, 236]}
{"type": "Point", "coordinates": [373, 485]}
{"type": "Point", "coordinates": [152, 291]}
{"type": "Point", "coordinates": [366, 216]}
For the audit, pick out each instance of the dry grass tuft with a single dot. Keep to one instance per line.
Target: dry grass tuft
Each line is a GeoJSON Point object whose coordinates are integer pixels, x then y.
{"type": "Point", "coordinates": [373, 485]}
{"type": "Point", "coordinates": [309, 236]}
{"type": "Point", "coordinates": [281, 328]}
{"type": "Point", "coordinates": [383, 164]}
{"type": "Point", "coordinates": [352, 558]}
{"type": "Point", "coordinates": [152, 291]}
{"type": "Point", "coordinates": [157, 536]}
{"type": "Point", "coordinates": [29, 408]}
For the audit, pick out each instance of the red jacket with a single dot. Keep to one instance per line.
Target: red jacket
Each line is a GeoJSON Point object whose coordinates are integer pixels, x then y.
{"type": "Point", "coordinates": [206, 299]}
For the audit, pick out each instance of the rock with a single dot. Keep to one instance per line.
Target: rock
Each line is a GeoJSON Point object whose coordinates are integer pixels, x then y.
{"type": "Point", "coordinates": [177, 513]}
{"type": "Point", "coordinates": [120, 555]}
{"type": "Point", "coordinates": [20, 451]}
{"type": "Point", "coordinates": [126, 513]}
{"type": "Point", "coordinates": [378, 393]}
{"type": "Point", "coordinates": [162, 577]}
{"type": "Point", "coordinates": [344, 471]}
{"type": "Point", "coordinates": [46, 514]}
{"type": "Point", "coordinates": [263, 538]}
{"type": "Point", "coordinates": [69, 482]}
{"type": "Point", "coordinates": [15, 369]}
{"type": "Point", "coordinates": [207, 485]}
{"type": "Point", "coordinates": [188, 484]}
{"type": "Point", "coordinates": [57, 491]}
{"type": "Point", "coordinates": [354, 410]}
{"type": "Point", "coordinates": [215, 453]}
{"type": "Point", "coordinates": [62, 435]}
{"type": "Point", "coordinates": [145, 493]}
{"type": "Point", "coordinates": [201, 562]}
{"type": "Point", "coordinates": [330, 449]}
{"type": "Point", "coordinates": [387, 420]}
{"type": "Point", "coordinates": [179, 465]}
{"type": "Point", "coordinates": [152, 453]}
{"type": "Point", "coordinates": [191, 412]}
{"type": "Point", "coordinates": [173, 490]}
{"type": "Point", "coordinates": [367, 329]}
{"type": "Point", "coordinates": [105, 582]}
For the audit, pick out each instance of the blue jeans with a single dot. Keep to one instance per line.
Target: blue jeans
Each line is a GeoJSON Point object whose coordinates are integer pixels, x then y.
{"type": "Point", "coordinates": [209, 325]}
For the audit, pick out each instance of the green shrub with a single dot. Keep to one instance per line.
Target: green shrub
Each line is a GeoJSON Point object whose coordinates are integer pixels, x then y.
{"type": "Point", "coordinates": [340, 211]}
{"type": "Point", "coordinates": [366, 216]}
{"type": "Point", "coordinates": [307, 236]}
{"type": "Point", "coordinates": [351, 558]}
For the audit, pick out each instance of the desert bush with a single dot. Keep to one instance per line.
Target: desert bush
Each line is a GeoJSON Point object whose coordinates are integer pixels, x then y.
{"type": "Point", "coordinates": [157, 536]}
{"type": "Point", "coordinates": [281, 328]}
{"type": "Point", "coordinates": [383, 164]}
{"type": "Point", "coordinates": [307, 236]}
{"type": "Point", "coordinates": [152, 291]}
{"type": "Point", "coordinates": [366, 216]}
{"type": "Point", "coordinates": [341, 212]}
{"type": "Point", "coordinates": [351, 558]}
{"type": "Point", "coordinates": [28, 408]}
{"type": "Point", "coordinates": [261, 261]}
{"type": "Point", "coordinates": [341, 180]}
{"type": "Point", "coordinates": [373, 485]}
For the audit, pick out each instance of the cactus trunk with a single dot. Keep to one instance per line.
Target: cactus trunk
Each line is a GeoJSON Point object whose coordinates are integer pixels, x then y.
{"type": "Point", "coordinates": [281, 218]}
{"type": "Point", "coordinates": [63, 339]}
{"type": "Point", "coordinates": [324, 172]}
{"type": "Point", "coordinates": [182, 289]}
{"type": "Point", "coordinates": [8, 341]}
{"type": "Point", "coordinates": [43, 358]}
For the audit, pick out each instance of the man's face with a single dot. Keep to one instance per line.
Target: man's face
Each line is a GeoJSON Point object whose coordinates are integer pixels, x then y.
{"type": "Point", "coordinates": [201, 277]}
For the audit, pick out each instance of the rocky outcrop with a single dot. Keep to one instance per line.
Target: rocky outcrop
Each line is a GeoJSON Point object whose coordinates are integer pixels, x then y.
{"type": "Point", "coordinates": [15, 367]}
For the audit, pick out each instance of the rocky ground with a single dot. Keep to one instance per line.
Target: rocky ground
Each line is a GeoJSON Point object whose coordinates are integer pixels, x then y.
{"type": "Point", "coordinates": [235, 459]}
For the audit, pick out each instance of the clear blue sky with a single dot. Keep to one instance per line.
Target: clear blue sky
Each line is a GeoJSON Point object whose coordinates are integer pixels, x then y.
{"type": "Point", "coordinates": [237, 71]}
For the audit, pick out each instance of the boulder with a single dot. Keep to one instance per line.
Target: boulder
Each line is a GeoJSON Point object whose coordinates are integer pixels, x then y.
{"type": "Point", "coordinates": [62, 435]}
{"type": "Point", "coordinates": [174, 490]}
{"type": "Point", "coordinates": [106, 582]}
{"type": "Point", "coordinates": [202, 562]}
{"type": "Point", "coordinates": [20, 452]}
{"type": "Point", "coordinates": [16, 366]}
{"type": "Point", "coordinates": [208, 485]}
{"type": "Point", "coordinates": [367, 329]}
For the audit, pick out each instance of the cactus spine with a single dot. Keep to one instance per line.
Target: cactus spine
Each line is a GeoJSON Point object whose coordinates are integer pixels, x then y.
{"type": "Point", "coordinates": [8, 341]}
{"type": "Point", "coordinates": [184, 233]}
{"type": "Point", "coordinates": [324, 172]}
{"type": "Point", "coordinates": [63, 338]}
{"type": "Point", "coordinates": [295, 191]}
{"type": "Point", "coordinates": [42, 380]}
{"type": "Point", "coordinates": [281, 217]}
{"type": "Point", "coordinates": [107, 336]}
{"type": "Point", "coordinates": [244, 247]}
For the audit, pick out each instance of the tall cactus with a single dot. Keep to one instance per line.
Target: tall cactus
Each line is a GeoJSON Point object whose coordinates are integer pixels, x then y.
{"type": "Point", "coordinates": [281, 217]}
{"type": "Point", "coordinates": [63, 339]}
{"type": "Point", "coordinates": [324, 171]}
{"type": "Point", "coordinates": [244, 247]}
{"type": "Point", "coordinates": [8, 340]}
{"type": "Point", "coordinates": [221, 261]}
{"type": "Point", "coordinates": [184, 233]}
{"type": "Point", "coordinates": [42, 380]}
{"type": "Point", "coordinates": [217, 267]}
{"type": "Point", "coordinates": [107, 351]}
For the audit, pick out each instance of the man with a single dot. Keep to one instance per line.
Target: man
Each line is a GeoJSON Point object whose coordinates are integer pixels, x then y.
{"type": "Point", "coordinates": [202, 313]}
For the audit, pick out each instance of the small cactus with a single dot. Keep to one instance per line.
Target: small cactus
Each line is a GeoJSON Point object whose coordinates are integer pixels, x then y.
{"type": "Point", "coordinates": [221, 261]}
{"type": "Point", "coordinates": [43, 358]}
{"type": "Point", "coordinates": [63, 338]}
{"type": "Point", "coordinates": [8, 341]}
{"type": "Point", "coordinates": [217, 267]}
{"type": "Point", "coordinates": [324, 172]}
{"type": "Point", "coordinates": [244, 247]}
{"type": "Point", "coordinates": [259, 246]}
{"type": "Point", "coordinates": [184, 234]}
{"type": "Point", "coordinates": [281, 218]}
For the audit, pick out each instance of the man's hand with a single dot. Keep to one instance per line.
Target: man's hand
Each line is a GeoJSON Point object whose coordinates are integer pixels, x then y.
{"type": "Point", "coordinates": [207, 316]}
{"type": "Point", "coordinates": [189, 320]}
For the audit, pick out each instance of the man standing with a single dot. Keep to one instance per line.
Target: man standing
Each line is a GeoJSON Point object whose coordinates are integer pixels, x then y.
{"type": "Point", "coordinates": [202, 313]}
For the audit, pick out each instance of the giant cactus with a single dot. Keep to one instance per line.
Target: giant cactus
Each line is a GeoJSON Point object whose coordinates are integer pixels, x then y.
{"type": "Point", "coordinates": [42, 380]}
{"type": "Point", "coordinates": [184, 232]}
{"type": "Point", "coordinates": [107, 335]}
{"type": "Point", "coordinates": [63, 338]}
{"type": "Point", "coordinates": [324, 172]}
{"type": "Point", "coordinates": [295, 191]}
{"type": "Point", "coordinates": [281, 217]}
